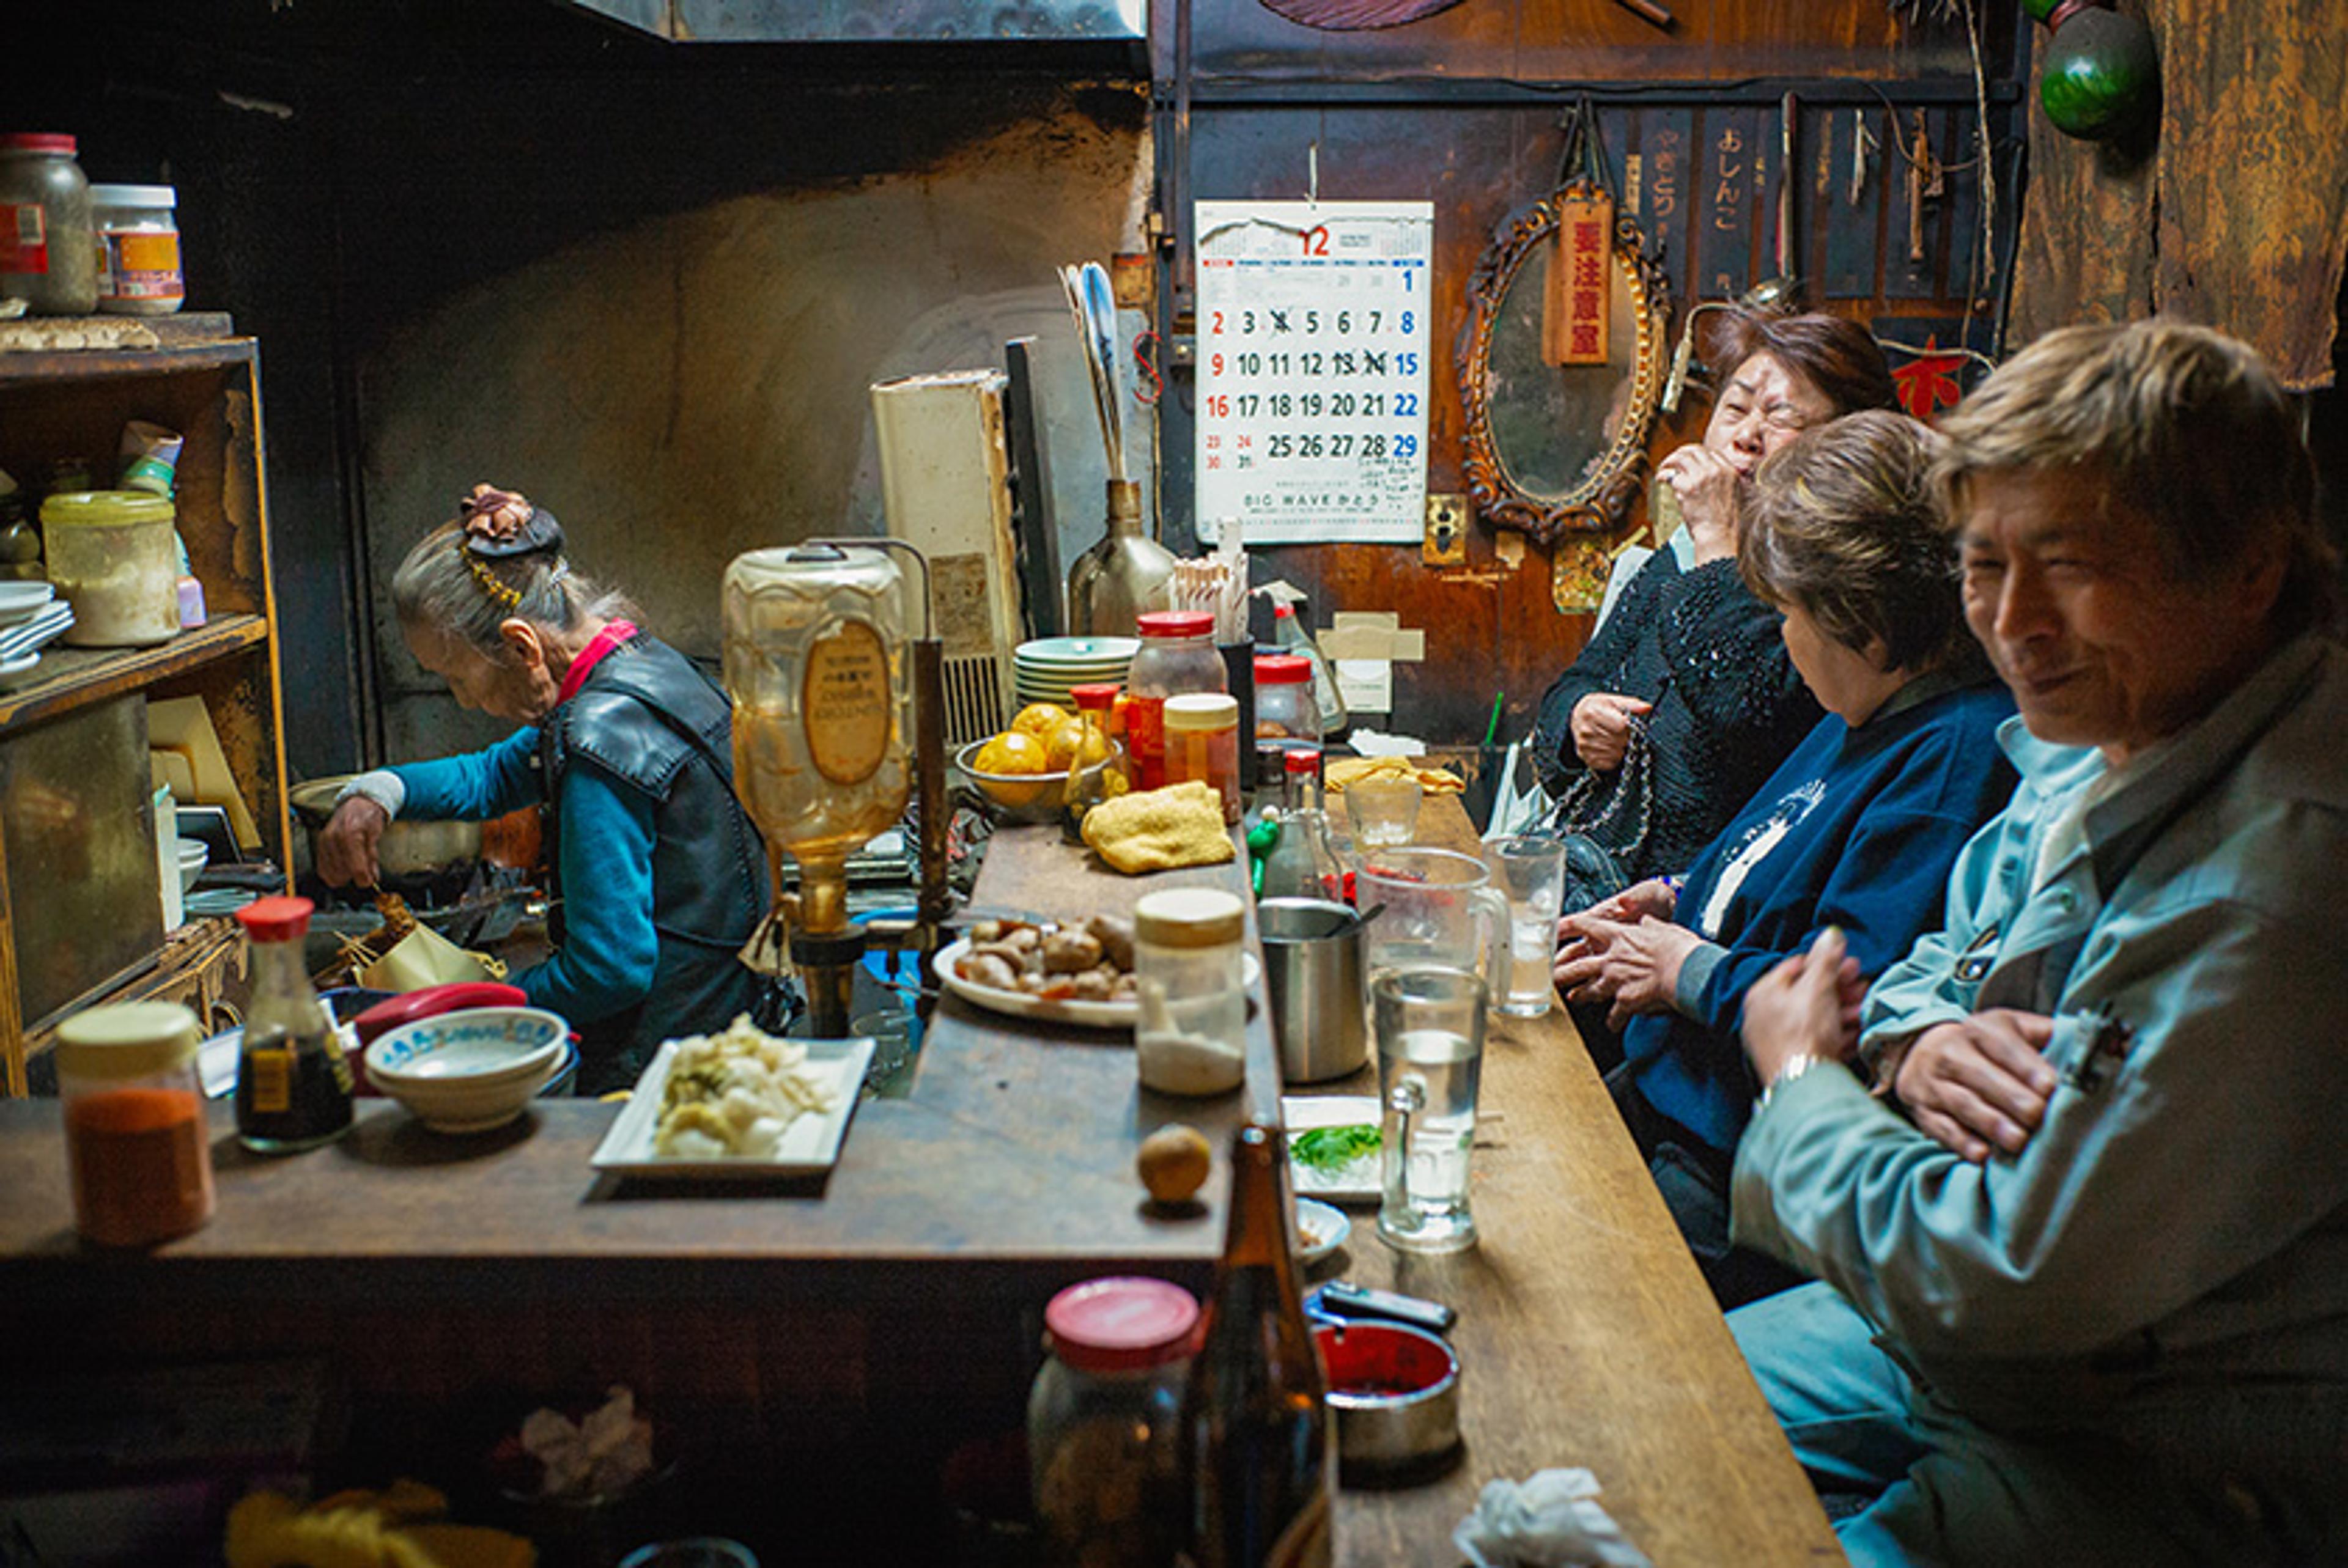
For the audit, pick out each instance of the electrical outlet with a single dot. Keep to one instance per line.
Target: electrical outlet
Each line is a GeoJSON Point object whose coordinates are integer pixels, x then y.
{"type": "Point", "coordinates": [1446, 531]}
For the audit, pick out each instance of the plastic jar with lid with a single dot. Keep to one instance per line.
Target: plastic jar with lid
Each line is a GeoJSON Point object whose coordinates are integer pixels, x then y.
{"type": "Point", "coordinates": [138, 255]}
{"type": "Point", "coordinates": [47, 239]}
{"type": "Point", "coordinates": [1102, 1423]}
{"type": "Point", "coordinates": [115, 558]}
{"type": "Point", "coordinates": [1190, 1036]}
{"type": "Point", "coordinates": [1177, 657]}
{"type": "Point", "coordinates": [1286, 714]}
{"type": "Point", "coordinates": [1202, 744]}
{"type": "Point", "coordinates": [138, 1142]}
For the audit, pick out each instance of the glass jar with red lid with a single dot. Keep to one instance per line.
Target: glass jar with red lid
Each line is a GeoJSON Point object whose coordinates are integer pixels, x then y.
{"type": "Point", "coordinates": [1176, 658]}
{"type": "Point", "coordinates": [1102, 1420]}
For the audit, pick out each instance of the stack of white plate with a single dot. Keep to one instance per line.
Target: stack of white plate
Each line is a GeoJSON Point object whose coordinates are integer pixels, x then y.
{"type": "Point", "coordinates": [1048, 669]}
{"type": "Point", "coordinates": [31, 618]}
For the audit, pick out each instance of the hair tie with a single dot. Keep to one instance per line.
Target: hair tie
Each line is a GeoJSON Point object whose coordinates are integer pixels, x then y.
{"type": "Point", "coordinates": [498, 525]}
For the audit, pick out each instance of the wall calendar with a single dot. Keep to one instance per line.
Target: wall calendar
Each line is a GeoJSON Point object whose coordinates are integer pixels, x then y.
{"type": "Point", "coordinates": [1313, 369]}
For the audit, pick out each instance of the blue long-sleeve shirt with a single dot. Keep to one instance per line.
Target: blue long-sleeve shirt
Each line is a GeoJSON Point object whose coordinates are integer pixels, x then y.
{"type": "Point", "coordinates": [1857, 829]}
{"type": "Point", "coordinates": [607, 959]}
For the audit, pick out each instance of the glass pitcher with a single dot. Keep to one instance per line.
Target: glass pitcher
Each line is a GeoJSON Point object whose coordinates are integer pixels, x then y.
{"type": "Point", "coordinates": [1442, 912]}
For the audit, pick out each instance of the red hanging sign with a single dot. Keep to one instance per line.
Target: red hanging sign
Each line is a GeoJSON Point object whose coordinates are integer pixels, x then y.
{"type": "Point", "coordinates": [1580, 298]}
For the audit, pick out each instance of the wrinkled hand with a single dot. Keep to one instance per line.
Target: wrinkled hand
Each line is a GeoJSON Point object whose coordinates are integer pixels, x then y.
{"type": "Point", "coordinates": [1653, 897]}
{"type": "Point", "coordinates": [1631, 966]}
{"type": "Point", "coordinates": [1711, 491]}
{"type": "Point", "coordinates": [346, 844]}
{"type": "Point", "coordinates": [1602, 728]}
{"type": "Point", "coordinates": [1806, 1004]}
{"type": "Point", "coordinates": [1982, 1081]}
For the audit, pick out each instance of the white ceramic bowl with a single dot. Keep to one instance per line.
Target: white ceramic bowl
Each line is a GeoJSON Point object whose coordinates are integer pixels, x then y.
{"type": "Point", "coordinates": [194, 854]}
{"type": "Point", "coordinates": [472, 1070]}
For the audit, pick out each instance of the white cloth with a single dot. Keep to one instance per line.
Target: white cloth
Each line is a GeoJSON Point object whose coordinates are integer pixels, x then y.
{"type": "Point", "coordinates": [382, 786]}
{"type": "Point", "coordinates": [1549, 1521]}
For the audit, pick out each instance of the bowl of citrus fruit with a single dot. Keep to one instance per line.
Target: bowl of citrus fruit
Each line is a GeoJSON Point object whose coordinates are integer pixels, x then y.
{"type": "Point", "coordinates": [1023, 771]}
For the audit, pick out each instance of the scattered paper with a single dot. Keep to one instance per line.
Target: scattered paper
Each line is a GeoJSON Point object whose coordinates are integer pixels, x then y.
{"type": "Point", "coordinates": [1551, 1520]}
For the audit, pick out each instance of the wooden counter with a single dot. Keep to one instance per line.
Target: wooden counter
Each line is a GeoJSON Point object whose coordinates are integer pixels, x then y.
{"type": "Point", "coordinates": [836, 1340]}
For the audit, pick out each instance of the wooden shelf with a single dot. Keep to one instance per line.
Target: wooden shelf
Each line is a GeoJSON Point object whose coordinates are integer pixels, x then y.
{"type": "Point", "coordinates": [69, 678]}
{"type": "Point", "coordinates": [191, 342]}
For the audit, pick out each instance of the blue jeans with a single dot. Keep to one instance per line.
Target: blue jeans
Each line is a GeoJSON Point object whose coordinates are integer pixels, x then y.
{"type": "Point", "coordinates": [1942, 1490]}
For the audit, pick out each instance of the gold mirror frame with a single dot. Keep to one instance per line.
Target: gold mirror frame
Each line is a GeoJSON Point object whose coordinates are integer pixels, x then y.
{"type": "Point", "coordinates": [1600, 503]}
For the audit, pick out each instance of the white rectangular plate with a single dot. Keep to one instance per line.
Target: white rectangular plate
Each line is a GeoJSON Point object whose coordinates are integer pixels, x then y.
{"type": "Point", "coordinates": [1356, 1182]}
{"type": "Point", "coordinates": [810, 1148]}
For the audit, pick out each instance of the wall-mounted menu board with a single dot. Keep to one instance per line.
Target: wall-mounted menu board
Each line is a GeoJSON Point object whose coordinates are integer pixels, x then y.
{"type": "Point", "coordinates": [1312, 368]}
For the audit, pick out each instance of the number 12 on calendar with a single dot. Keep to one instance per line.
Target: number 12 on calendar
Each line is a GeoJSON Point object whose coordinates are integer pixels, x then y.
{"type": "Point", "coordinates": [1313, 369]}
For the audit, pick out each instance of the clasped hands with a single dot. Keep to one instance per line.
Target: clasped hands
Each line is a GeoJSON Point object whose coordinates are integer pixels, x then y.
{"type": "Point", "coordinates": [1624, 952]}
{"type": "Point", "coordinates": [1972, 1084]}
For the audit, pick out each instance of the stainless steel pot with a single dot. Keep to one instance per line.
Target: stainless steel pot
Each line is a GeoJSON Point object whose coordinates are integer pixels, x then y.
{"type": "Point", "coordinates": [1313, 970]}
{"type": "Point", "coordinates": [1395, 1393]}
{"type": "Point", "coordinates": [407, 848]}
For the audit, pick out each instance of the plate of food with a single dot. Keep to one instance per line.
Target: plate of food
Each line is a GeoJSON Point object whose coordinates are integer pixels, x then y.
{"type": "Point", "coordinates": [1333, 1146]}
{"type": "Point", "coordinates": [738, 1104]}
{"type": "Point", "coordinates": [1079, 974]}
{"type": "Point", "coordinates": [1320, 1230]}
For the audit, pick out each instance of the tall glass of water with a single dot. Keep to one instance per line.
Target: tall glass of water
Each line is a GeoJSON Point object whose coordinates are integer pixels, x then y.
{"type": "Point", "coordinates": [1429, 1024]}
{"type": "Point", "coordinates": [1531, 871]}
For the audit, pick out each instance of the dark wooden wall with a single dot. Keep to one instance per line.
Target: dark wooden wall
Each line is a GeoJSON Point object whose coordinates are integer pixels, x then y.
{"type": "Point", "coordinates": [1463, 109]}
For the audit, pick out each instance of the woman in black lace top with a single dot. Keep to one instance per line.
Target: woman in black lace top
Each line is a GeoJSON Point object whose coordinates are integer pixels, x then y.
{"type": "Point", "coordinates": [1685, 701]}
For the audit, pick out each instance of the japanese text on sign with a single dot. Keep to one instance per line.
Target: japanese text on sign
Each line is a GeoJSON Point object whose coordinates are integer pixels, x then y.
{"type": "Point", "coordinates": [1313, 369]}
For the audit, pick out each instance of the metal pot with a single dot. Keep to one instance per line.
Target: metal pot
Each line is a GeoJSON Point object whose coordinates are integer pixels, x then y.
{"type": "Point", "coordinates": [1395, 1393]}
{"type": "Point", "coordinates": [1313, 971]}
{"type": "Point", "coordinates": [407, 848]}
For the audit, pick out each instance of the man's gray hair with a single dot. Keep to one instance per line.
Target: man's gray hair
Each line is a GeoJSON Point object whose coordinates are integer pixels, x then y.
{"type": "Point", "coordinates": [2187, 426]}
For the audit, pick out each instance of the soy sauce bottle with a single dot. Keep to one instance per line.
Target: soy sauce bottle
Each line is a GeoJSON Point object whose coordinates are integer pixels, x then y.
{"type": "Point", "coordinates": [1254, 1426]}
{"type": "Point", "coordinates": [293, 1081]}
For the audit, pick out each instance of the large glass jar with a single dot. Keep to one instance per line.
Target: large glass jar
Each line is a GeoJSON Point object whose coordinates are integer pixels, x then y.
{"type": "Point", "coordinates": [116, 559]}
{"type": "Point", "coordinates": [1177, 657]}
{"type": "Point", "coordinates": [1190, 1035]}
{"type": "Point", "coordinates": [48, 247]}
{"type": "Point", "coordinates": [823, 708]}
{"type": "Point", "coordinates": [138, 1144]}
{"type": "Point", "coordinates": [1202, 745]}
{"type": "Point", "coordinates": [1101, 1423]}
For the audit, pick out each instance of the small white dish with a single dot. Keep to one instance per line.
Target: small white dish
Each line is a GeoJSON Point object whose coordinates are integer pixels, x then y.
{"type": "Point", "coordinates": [13, 671]}
{"type": "Point", "coordinates": [20, 601]}
{"type": "Point", "coordinates": [193, 855]}
{"type": "Point", "coordinates": [811, 1145]}
{"type": "Point", "coordinates": [471, 1070]}
{"type": "Point", "coordinates": [1320, 1230]}
{"type": "Point", "coordinates": [1354, 1181]}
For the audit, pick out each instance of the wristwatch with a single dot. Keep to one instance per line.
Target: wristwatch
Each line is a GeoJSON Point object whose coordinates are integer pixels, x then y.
{"type": "Point", "coordinates": [1796, 1065]}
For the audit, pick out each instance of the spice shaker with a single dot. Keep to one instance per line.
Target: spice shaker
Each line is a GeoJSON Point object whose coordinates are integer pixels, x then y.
{"type": "Point", "coordinates": [137, 1147]}
{"type": "Point", "coordinates": [1190, 1035]}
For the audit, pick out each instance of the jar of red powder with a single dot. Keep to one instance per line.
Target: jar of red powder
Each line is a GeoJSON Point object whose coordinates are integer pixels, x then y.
{"type": "Point", "coordinates": [137, 1146]}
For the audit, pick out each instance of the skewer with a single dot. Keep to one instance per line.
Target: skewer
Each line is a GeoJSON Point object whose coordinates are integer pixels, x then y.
{"type": "Point", "coordinates": [1654, 13]}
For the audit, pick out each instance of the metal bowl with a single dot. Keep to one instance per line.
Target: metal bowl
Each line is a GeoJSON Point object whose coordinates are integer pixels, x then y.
{"type": "Point", "coordinates": [1021, 797]}
{"type": "Point", "coordinates": [407, 848]}
{"type": "Point", "coordinates": [1394, 1391]}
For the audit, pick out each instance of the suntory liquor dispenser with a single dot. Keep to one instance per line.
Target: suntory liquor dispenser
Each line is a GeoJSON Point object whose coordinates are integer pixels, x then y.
{"type": "Point", "coordinates": [831, 693]}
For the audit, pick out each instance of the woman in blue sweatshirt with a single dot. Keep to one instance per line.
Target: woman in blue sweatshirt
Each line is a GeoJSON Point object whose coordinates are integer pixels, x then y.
{"type": "Point", "coordinates": [1857, 829]}
{"type": "Point", "coordinates": [658, 879]}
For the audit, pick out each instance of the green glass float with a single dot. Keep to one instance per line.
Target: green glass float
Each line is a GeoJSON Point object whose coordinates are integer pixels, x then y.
{"type": "Point", "coordinates": [2101, 77]}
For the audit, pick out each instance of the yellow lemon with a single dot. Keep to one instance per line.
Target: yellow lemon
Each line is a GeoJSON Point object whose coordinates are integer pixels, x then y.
{"type": "Point", "coordinates": [1012, 752]}
{"type": "Point", "coordinates": [1174, 1162]}
{"type": "Point", "coordinates": [1064, 743]}
{"type": "Point", "coordinates": [1040, 719]}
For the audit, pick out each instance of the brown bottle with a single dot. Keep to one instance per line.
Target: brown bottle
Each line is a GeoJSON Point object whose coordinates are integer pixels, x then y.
{"type": "Point", "coordinates": [1255, 1445]}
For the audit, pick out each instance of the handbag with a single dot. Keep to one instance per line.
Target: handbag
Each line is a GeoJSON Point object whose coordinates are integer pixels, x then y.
{"type": "Point", "coordinates": [1594, 872]}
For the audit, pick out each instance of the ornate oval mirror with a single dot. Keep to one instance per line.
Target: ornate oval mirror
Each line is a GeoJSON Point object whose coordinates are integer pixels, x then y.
{"type": "Point", "coordinates": [1551, 448]}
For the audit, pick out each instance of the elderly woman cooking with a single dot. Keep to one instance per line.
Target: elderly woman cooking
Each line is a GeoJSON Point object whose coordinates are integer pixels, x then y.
{"type": "Point", "coordinates": [658, 877]}
{"type": "Point", "coordinates": [1857, 830]}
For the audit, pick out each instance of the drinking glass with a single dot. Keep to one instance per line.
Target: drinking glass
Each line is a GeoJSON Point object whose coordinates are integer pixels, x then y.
{"type": "Point", "coordinates": [1429, 1024]}
{"type": "Point", "coordinates": [1440, 911]}
{"type": "Point", "coordinates": [1531, 869]}
{"type": "Point", "coordinates": [1384, 812]}
{"type": "Point", "coordinates": [696, 1552]}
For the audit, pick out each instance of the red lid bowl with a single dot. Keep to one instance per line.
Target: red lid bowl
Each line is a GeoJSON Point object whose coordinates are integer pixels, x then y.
{"type": "Point", "coordinates": [1175, 623]}
{"type": "Point", "coordinates": [1121, 1324]}
{"type": "Point", "coordinates": [280, 919]}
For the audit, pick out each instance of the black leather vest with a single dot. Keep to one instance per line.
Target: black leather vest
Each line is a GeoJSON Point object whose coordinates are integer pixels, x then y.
{"type": "Point", "coordinates": [648, 719]}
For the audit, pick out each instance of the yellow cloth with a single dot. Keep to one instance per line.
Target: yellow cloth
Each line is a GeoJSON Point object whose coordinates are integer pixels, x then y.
{"type": "Point", "coordinates": [1345, 771]}
{"type": "Point", "coordinates": [1160, 829]}
{"type": "Point", "coordinates": [364, 1529]}
{"type": "Point", "coordinates": [425, 957]}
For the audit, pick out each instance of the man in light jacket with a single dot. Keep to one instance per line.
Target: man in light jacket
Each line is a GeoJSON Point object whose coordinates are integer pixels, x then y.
{"type": "Point", "coordinates": [2085, 1250]}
